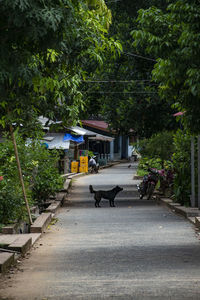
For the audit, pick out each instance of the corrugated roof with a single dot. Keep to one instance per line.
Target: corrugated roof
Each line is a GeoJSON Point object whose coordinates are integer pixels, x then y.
{"type": "Point", "coordinates": [55, 141]}
{"type": "Point", "coordinates": [91, 134]}
{"type": "Point", "coordinates": [101, 137]}
{"type": "Point", "coordinates": [102, 125]}
{"type": "Point", "coordinates": [82, 131]}
{"type": "Point", "coordinates": [44, 120]}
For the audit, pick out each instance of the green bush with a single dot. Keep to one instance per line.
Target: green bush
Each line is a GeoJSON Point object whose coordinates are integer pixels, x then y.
{"type": "Point", "coordinates": [40, 174]}
{"type": "Point", "coordinates": [46, 180]}
{"type": "Point", "coordinates": [181, 163]}
{"type": "Point", "coordinates": [12, 206]}
{"type": "Point", "coordinates": [159, 146]}
{"type": "Point", "coordinates": [11, 201]}
{"type": "Point", "coordinates": [156, 152]}
{"type": "Point", "coordinates": [169, 151]}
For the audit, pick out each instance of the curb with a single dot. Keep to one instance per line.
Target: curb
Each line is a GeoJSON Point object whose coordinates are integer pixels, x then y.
{"type": "Point", "coordinates": [192, 214]}
{"type": "Point", "coordinates": [13, 246]}
{"type": "Point", "coordinates": [41, 223]}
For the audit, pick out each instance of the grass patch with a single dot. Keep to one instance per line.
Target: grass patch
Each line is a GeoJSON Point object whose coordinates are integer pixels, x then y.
{"type": "Point", "coordinates": [141, 172]}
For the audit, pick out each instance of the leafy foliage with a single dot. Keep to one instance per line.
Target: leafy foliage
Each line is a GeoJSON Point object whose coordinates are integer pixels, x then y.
{"type": "Point", "coordinates": [44, 50]}
{"type": "Point", "coordinates": [12, 206]}
{"type": "Point", "coordinates": [40, 175]}
{"type": "Point", "coordinates": [172, 152]}
{"type": "Point", "coordinates": [158, 146]}
{"type": "Point", "coordinates": [181, 163]}
{"type": "Point", "coordinates": [46, 181]}
{"type": "Point", "coordinates": [124, 93]}
{"type": "Point", "coordinates": [146, 162]}
{"type": "Point", "coordinates": [172, 37]}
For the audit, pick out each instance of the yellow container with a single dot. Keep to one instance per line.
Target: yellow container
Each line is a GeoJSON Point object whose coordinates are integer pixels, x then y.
{"type": "Point", "coordinates": [74, 166]}
{"type": "Point", "coordinates": [83, 169]}
{"type": "Point", "coordinates": [83, 160]}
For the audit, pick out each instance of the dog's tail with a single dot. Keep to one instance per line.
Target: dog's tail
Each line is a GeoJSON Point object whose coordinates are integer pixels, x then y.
{"type": "Point", "coordinates": [91, 189]}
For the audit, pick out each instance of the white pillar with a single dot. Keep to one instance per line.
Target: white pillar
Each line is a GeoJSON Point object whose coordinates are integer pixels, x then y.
{"type": "Point", "coordinates": [112, 150]}
{"type": "Point", "coordinates": [120, 146]}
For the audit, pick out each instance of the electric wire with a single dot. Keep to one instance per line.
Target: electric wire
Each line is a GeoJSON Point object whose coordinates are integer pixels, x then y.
{"type": "Point", "coordinates": [103, 92]}
{"type": "Point", "coordinates": [140, 56]}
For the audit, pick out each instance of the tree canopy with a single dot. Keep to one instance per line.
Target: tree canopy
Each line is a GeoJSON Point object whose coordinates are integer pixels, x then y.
{"type": "Point", "coordinates": [123, 91]}
{"type": "Point", "coordinates": [45, 48]}
{"type": "Point", "coordinates": [172, 37]}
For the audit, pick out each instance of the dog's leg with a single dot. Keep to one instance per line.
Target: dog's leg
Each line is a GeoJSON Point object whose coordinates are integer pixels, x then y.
{"type": "Point", "coordinates": [112, 201]}
{"type": "Point", "coordinates": [98, 199]}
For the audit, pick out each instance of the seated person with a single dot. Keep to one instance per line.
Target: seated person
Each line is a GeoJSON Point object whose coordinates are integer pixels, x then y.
{"type": "Point", "coordinates": [93, 164]}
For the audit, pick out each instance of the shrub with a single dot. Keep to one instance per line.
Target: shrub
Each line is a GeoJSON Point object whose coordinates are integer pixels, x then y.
{"type": "Point", "coordinates": [170, 154]}
{"type": "Point", "coordinates": [46, 179]}
{"type": "Point", "coordinates": [40, 174]}
{"type": "Point", "coordinates": [181, 163]}
{"type": "Point", "coordinates": [159, 146]}
{"type": "Point", "coordinates": [12, 206]}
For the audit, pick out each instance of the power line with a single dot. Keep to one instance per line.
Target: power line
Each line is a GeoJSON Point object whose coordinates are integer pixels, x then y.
{"type": "Point", "coordinates": [102, 92]}
{"type": "Point", "coordinates": [118, 81]}
{"type": "Point", "coordinates": [112, 1]}
{"type": "Point", "coordinates": [140, 56]}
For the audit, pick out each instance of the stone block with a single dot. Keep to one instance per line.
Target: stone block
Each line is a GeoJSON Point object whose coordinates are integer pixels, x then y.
{"type": "Point", "coordinates": [10, 229]}
{"type": "Point", "coordinates": [197, 222]}
{"type": "Point", "coordinates": [60, 196]}
{"type": "Point", "coordinates": [6, 260]}
{"type": "Point", "coordinates": [22, 244]}
{"type": "Point", "coordinates": [187, 211]}
{"type": "Point", "coordinates": [53, 207]}
{"type": "Point", "coordinates": [41, 223]}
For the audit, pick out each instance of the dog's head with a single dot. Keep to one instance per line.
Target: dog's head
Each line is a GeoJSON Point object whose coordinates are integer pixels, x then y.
{"type": "Point", "coordinates": [118, 189]}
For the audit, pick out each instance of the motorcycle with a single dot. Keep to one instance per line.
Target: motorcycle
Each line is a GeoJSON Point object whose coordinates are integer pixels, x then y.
{"type": "Point", "coordinates": [93, 166]}
{"type": "Point", "coordinates": [148, 184]}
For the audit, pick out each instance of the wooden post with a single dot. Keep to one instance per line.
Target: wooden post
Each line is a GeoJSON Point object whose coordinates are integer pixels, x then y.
{"type": "Point", "coordinates": [199, 171]}
{"type": "Point", "coordinates": [66, 163]}
{"type": "Point", "coordinates": [192, 199]}
{"type": "Point", "coordinates": [20, 173]}
{"type": "Point", "coordinates": [76, 152]}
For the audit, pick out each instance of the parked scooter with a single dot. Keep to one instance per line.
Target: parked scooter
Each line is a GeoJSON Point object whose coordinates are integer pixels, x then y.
{"type": "Point", "coordinates": [148, 184]}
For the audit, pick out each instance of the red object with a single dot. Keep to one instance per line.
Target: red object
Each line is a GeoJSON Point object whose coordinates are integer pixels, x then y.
{"type": "Point", "coordinates": [180, 113]}
{"type": "Point", "coordinates": [1, 178]}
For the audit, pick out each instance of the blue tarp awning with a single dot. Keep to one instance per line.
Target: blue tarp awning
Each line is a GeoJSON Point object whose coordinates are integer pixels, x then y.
{"type": "Point", "coordinates": [74, 138]}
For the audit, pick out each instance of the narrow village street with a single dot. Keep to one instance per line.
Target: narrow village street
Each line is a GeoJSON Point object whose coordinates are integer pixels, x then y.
{"type": "Point", "coordinates": [136, 250]}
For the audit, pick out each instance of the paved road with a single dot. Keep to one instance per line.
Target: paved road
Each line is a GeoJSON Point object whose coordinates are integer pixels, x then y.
{"type": "Point", "coordinates": [137, 250]}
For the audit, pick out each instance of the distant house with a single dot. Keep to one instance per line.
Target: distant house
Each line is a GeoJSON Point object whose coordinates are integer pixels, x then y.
{"type": "Point", "coordinates": [93, 135]}
{"type": "Point", "coordinates": [73, 141]}
{"type": "Point", "coordinates": [115, 147]}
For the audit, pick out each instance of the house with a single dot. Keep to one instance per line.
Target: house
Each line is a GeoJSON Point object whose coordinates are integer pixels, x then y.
{"type": "Point", "coordinates": [72, 141]}
{"type": "Point", "coordinates": [111, 147]}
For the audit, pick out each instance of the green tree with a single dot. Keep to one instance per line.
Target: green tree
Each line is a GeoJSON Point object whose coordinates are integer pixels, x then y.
{"type": "Point", "coordinates": [125, 95]}
{"type": "Point", "coordinates": [44, 49]}
{"type": "Point", "coordinates": [172, 37]}
{"type": "Point", "coordinates": [158, 146]}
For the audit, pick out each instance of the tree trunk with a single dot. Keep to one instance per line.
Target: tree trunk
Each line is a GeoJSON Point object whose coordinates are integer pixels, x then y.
{"type": "Point", "coordinates": [20, 173]}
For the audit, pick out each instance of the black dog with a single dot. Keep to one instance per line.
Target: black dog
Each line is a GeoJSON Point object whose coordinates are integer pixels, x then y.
{"type": "Point", "coordinates": [110, 195]}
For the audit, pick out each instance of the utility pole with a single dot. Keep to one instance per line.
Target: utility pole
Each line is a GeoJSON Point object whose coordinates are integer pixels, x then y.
{"type": "Point", "coordinates": [199, 171]}
{"type": "Point", "coordinates": [192, 199]}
